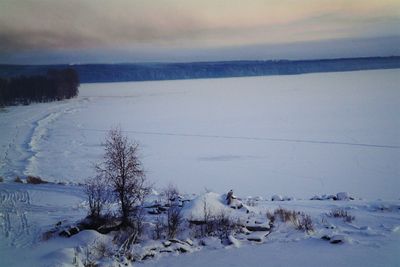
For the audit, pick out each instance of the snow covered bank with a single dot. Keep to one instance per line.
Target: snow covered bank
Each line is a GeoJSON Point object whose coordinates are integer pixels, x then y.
{"type": "Point", "coordinates": [371, 238]}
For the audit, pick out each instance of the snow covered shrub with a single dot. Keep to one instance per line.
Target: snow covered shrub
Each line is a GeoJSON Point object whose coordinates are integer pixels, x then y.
{"type": "Point", "coordinates": [18, 180]}
{"type": "Point", "coordinates": [35, 180]}
{"type": "Point", "coordinates": [341, 213]}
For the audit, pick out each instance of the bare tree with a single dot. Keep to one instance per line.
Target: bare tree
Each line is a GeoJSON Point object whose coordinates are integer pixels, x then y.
{"type": "Point", "coordinates": [123, 170]}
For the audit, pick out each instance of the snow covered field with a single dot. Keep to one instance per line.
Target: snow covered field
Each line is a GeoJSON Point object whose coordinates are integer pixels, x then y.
{"type": "Point", "coordinates": [292, 135]}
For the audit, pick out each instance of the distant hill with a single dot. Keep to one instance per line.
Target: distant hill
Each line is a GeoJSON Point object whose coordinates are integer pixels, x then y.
{"type": "Point", "coordinates": [90, 73]}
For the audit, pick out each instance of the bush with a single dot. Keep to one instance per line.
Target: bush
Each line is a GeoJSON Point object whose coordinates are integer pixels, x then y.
{"type": "Point", "coordinates": [159, 227]}
{"type": "Point", "coordinates": [341, 213]}
{"type": "Point", "coordinates": [98, 196]}
{"type": "Point", "coordinates": [174, 216]}
{"type": "Point", "coordinates": [18, 180]}
{"type": "Point", "coordinates": [174, 221]}
{"type": "Point", "coordinates": [35, 180]}
{"type": "Point", "coordinates": [1, 179]}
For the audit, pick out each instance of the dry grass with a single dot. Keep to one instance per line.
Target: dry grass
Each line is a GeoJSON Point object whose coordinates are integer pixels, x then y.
{"type": "Point", "coordinates": [341, 213]}
{"type": "Point", "coordinates": [300, 220]}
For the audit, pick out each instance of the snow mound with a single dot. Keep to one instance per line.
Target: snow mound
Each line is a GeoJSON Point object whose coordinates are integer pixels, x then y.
{"type": "Point", "coordinates": [338, 196]}
{"type": "Point", "coordinates": [211, 242]}
{"type": "Point", "coordinates": [210, 202]}
{"type": "Point", "coordinates": [87, 237]}
{"type": "Point", "coordinates": [62, 258]}
{"type": "Point", "coordinates": [343, 196]}
{"type": "Point", "coordinates": [281, 198]}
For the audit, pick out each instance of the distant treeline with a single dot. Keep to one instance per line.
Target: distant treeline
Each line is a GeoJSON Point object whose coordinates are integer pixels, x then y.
{"type": "Point", "coordinates": [56, 84]}
{"type": "Point", "coordinates": [90, 73]}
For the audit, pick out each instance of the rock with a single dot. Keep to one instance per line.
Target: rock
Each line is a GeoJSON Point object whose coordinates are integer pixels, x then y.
{"type": "Point", "coordinates": [324, 197]}
{"type": "Point", "coordinates": [162, 208]}
{"type": "Point", "coordinates": [277, 198]}
{"type": "Point", "coordinates": [154, 211]}
{"type": "Point", "coordinates": [233, 241]}
{"type": "Point", "coordinates": [258, 228]}
{"type": "Point", "coordinates": [153, 206]}
{"type": "Point", "coordinates": [166, 243]}
{"type": "Point", "coordinates": [236, 204]}
{"type": "Point", "coordinates": [183, 248]}
{"type": "Point", "coordinates": [166, 250]}
{"type": "Point", "coordinates": [326, 237]}
{"type": "Point", "coordinates": [176, 241]}
{"type": "Point", "coordinates": [255, 237]}
{"type": "Point", "coordinates": [330, 226]}
{"type": "Point", "coordinates": [150, 254]}
{"type": "Point", "coordinates": [197, 222]}
{"type": "Point", "coordinates": [337, 239]}
{"type": "Point", "coordinates": [69, 232]}
{"type": "Point", "coordinates": [189, 242]}
{"type": "Point", "coordinates": [342, 196]}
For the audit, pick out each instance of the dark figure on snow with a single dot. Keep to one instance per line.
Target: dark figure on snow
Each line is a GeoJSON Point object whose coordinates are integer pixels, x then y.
{"type": "Point", "coordinates": [229, 197]}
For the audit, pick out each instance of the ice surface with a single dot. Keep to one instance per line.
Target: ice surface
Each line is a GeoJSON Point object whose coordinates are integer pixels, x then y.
{"type": "Point", "coordinates": [291, 135]}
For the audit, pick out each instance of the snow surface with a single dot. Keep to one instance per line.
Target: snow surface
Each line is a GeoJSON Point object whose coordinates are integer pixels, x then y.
{"type": "Point", "coordinates": [295, 135]}
{"type": "Point", "coordinates": [371, 239]}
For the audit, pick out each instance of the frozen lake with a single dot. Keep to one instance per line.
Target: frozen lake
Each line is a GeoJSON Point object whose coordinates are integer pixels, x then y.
{"type": "Point", "coordinates": [292, 135]}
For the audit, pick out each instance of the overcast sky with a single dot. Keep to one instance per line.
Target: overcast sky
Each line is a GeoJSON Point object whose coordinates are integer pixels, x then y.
{"type": "Point", "coordinates": [78, 31]}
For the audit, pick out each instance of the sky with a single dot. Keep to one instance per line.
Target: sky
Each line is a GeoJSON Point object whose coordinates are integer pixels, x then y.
{"type": "Point", "coordinates": [84, 31]}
